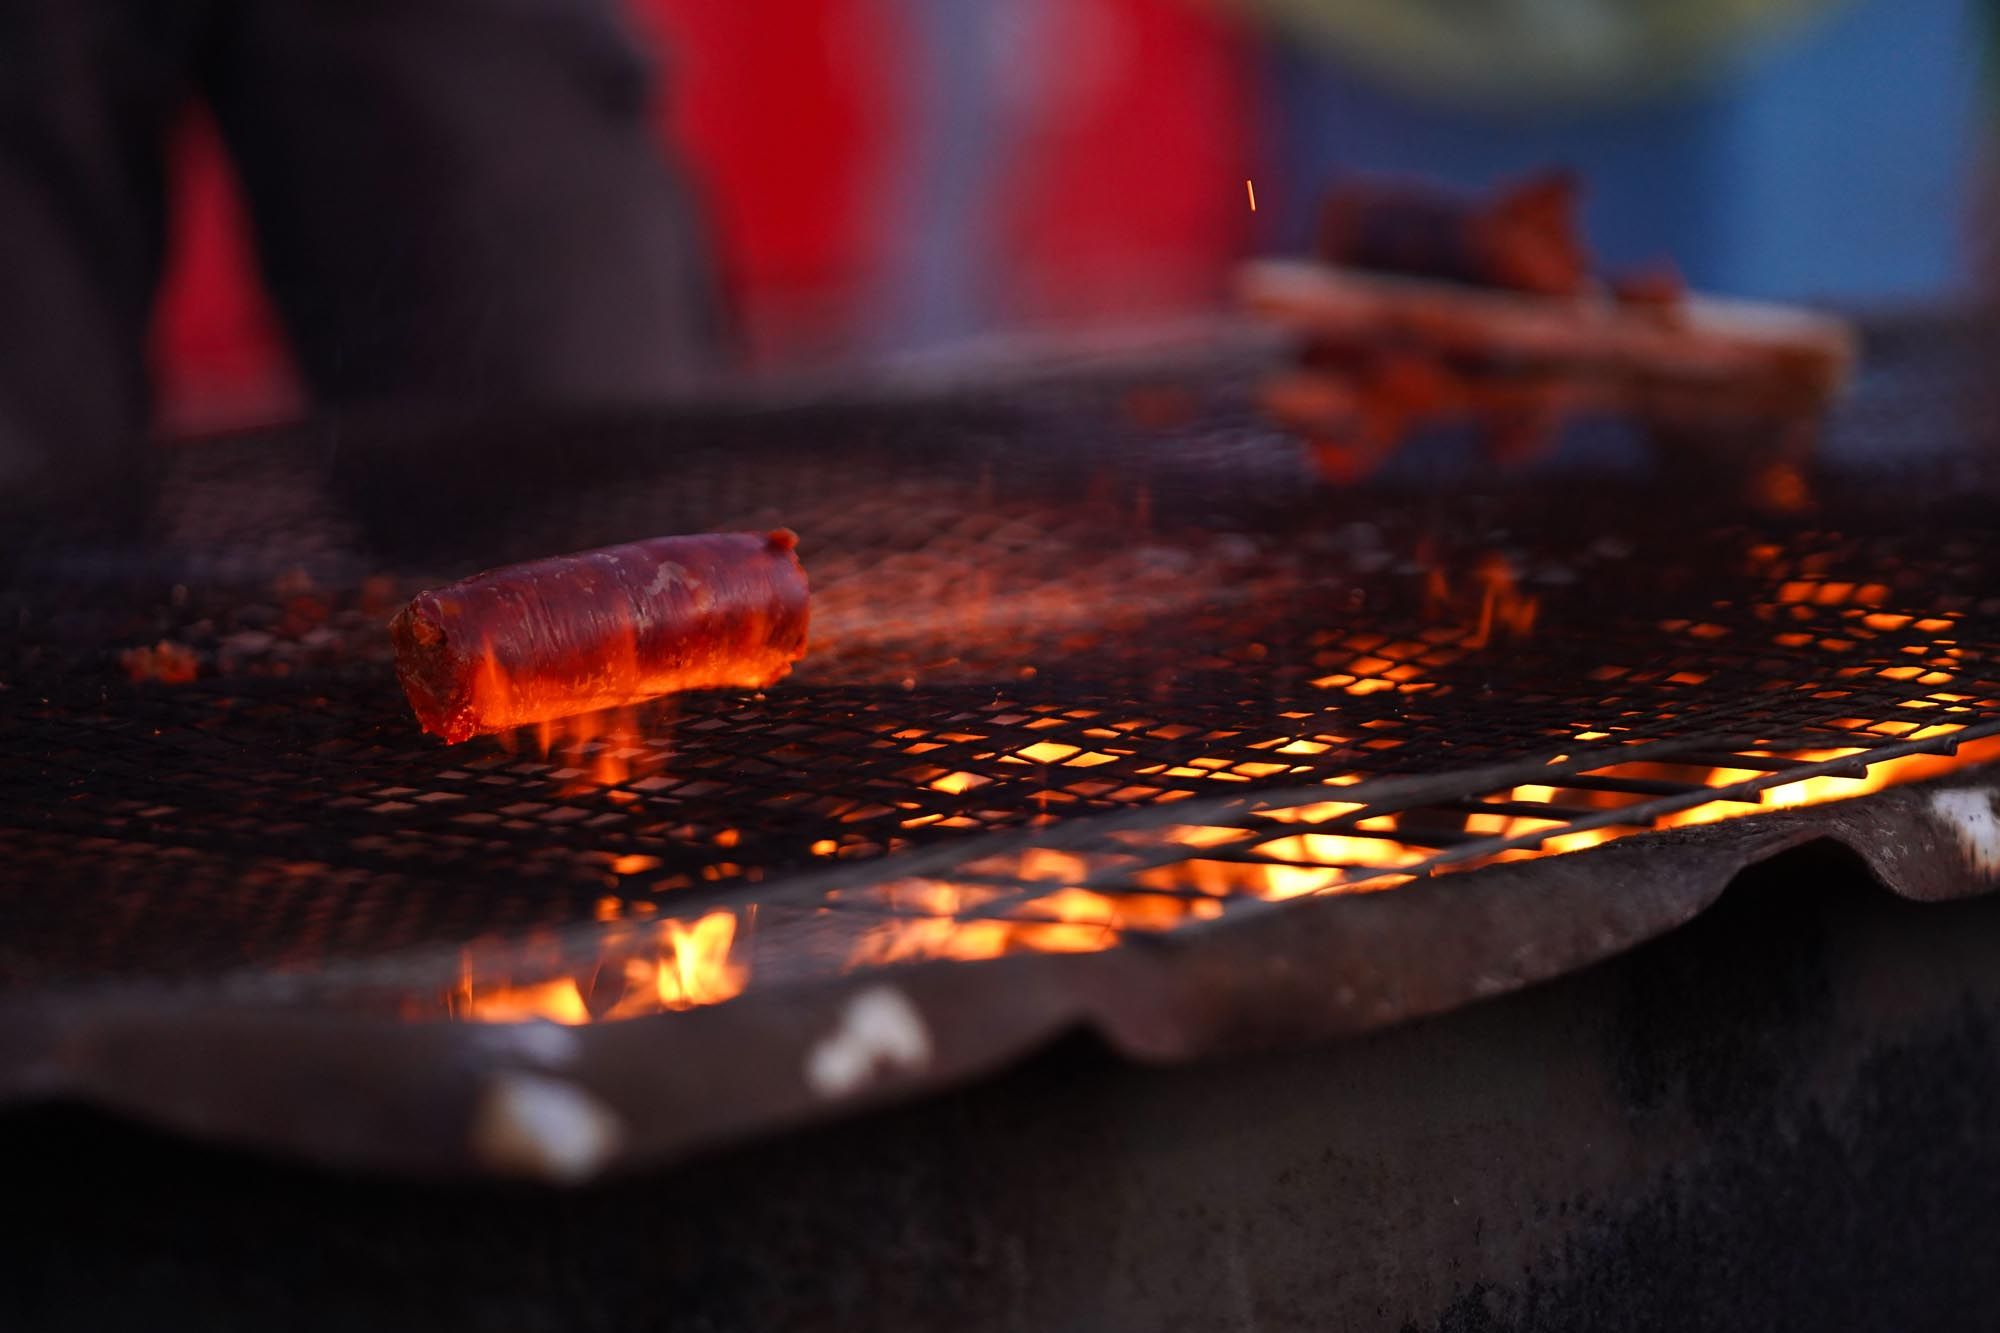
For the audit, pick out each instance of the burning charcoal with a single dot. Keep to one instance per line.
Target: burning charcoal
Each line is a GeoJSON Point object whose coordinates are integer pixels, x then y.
{"type": "Point", "coordinates": [302, 613]}
{"type": "Point", "coordinates": [168, 662]}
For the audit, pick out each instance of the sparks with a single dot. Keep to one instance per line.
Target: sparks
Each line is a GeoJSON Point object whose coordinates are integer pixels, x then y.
{"type": "Point", "coordinates": [1252, 190]}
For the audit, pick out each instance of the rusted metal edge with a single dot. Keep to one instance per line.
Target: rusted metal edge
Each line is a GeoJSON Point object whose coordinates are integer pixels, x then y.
{"type": "Point", "coordinates": [535, 1099]}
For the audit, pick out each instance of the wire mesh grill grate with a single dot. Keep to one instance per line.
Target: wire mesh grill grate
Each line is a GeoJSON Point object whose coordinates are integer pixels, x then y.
{"type": "Point", "coordinates": [1042, 633]}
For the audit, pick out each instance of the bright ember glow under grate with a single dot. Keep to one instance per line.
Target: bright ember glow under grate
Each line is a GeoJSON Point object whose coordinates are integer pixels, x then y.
{"type": "Point", "coordinates": [1068, 684]}
{"type": "Point", "coordinates": [1046, 899]}
{"type": "Point", "coordinates": [1079, 891]}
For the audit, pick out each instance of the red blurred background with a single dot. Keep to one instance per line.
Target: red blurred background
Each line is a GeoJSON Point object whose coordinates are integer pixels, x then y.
{"type": "Point", "coordinates": [1119, 190]}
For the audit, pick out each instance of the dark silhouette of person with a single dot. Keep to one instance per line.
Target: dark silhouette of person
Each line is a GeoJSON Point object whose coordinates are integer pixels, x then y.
{"type": "Point", "coordinates": [455, 203]}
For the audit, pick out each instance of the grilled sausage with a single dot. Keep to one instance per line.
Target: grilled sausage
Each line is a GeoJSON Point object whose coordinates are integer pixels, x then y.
{"type": "Point", "coordinates": [531, 642]}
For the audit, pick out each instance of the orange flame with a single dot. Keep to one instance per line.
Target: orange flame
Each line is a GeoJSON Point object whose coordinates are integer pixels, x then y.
{"type": "Point", "coordinates": [594, 752]}
{"type": "Point", "coordinates": [675, 965]}
{"type": "Point", "coordinates": [933, 921]}
{"type": "Point", "coordinates": [1501, 602]}
{"type": "Point", "coordinates": [492, 691]}
{"type": "Point", "coordinates": [1374, 663]}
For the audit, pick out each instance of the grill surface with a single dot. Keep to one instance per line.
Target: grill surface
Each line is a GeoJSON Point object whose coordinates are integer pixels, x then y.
{"type": "Point", "coordinates": [1050, 641]}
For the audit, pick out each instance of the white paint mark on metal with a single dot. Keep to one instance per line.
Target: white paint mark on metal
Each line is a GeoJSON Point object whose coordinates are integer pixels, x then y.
{"type": "Point", "coordinates": [546, 1128]}
{"type": "Point", "coordinates": [1968, 813]}
{"type": "Point", "coordinates": [880, 1030]}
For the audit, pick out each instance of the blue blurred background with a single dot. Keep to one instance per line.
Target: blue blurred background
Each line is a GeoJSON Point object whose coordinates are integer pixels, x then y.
{"type": "Point", "coordinates": [1832, 161]}
{"type": "Point", "coordinates": [885, 176]}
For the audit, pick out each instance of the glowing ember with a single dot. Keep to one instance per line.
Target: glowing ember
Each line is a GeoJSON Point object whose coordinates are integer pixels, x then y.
{"type": "Point", "coordinates": [932, 921]}
{"type": "Point", "coordinates": [166, 661]}
{"type": "Point", "coordinates": [1080, 917]}
{"type": "Point", "coordinates": [671, 965]}
{"type": "Point", "coordinates": [1075, 903]}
